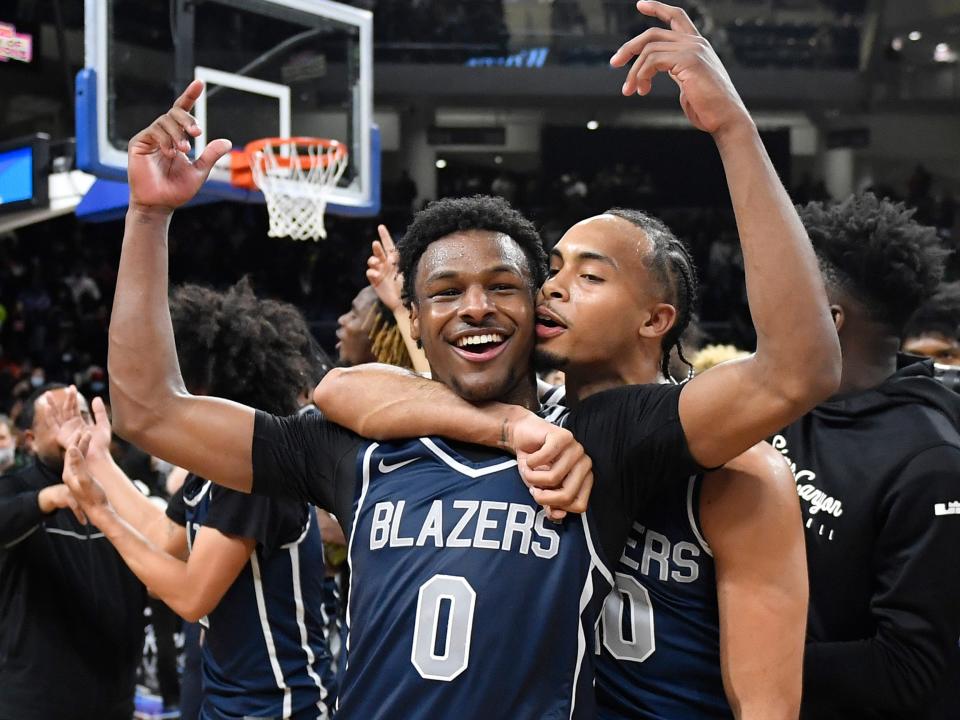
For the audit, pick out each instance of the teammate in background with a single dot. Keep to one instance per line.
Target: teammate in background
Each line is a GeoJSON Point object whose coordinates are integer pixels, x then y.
{"type": "Point", "coordinates": [353, 329]}
{"type": "Point", "coordinates": [249, 568]}
{"type": "Point", "coordinates": [71, 613]}
{"type": "Point", "coordinates": [934, 329]}
{"type": "Point", "coordinates": [878, 473]}
{"type": "Point", "coordinates": [385, 279]}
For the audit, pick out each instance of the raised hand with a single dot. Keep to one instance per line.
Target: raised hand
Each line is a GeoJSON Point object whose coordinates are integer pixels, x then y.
{"type": "Point", "coordinates": [160, 174]}
{"type": "Point", "coordinates": [553, 464]}
{"type": "Point", "coordinates": [62, 416]}
{"type": "Point", "coordinates": [382, 270]}
{"type": "Point", "coordinates": [76, 476]}
{"type": "Point", "coordinates": [100, 432]}
{"type": "Point", "coordinates": [707, 96]}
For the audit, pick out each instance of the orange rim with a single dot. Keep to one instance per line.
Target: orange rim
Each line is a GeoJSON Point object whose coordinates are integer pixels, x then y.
{"type": "Point", "coordinates": [242, 176]}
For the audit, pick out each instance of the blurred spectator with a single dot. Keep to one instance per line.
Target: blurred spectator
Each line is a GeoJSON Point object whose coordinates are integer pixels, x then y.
{"type": "Point", "coordinates": [8, 445]}
{"type": "Point", "coordinates": [71, 613]}
{"type": "Point", "coordinates": [934, 330]}
{"type": "Point", "coordinates": [353, 331]}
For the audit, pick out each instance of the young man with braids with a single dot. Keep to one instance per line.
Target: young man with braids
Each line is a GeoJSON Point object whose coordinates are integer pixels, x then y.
{"type": "Point", "coordinates": [878, 473]}
{"type": "Point", "coordinates": [710, 634]}
{"type": "Point", "coordinates": [249, 569]}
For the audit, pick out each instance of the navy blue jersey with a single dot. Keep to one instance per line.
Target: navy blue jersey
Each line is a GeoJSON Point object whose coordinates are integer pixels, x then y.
{"type": "Point", "coordinates": [660, 633]}
{"type": "Point", "coordinates": [659, 639]}
{"type": "Point", "coordinates": [464, 601]}
{"type": "Point", "coordinates": [264, 654]}
{"type": "Point", "coordinates": [443, 551]}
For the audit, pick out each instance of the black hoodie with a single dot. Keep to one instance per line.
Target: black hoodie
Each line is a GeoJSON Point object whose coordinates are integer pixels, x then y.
{"type": "Point", "coordinates": [878, 474]}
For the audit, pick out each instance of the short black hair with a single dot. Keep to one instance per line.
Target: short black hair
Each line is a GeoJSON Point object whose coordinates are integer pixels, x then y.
{"type": "Point", "coordinates": [672, 265]}
{"type": "Point", "coordinates": [940, 314]}
{"type": "Point", "coordinates": [874, 251]}
{"type": "Point", "coordinates": [478, 212]}
{"type": "Point", "coordinates": [25, 418]}
{"type": "Point", "coordinates": [234, 345]}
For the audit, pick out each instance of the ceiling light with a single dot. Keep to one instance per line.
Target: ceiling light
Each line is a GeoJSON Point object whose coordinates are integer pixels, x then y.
{"type": "Point", "coordinates": [915, 35]}
{"type": "Point", "coordinates": [592, 125]}
{"type": "Point", "coordinates": [441, 163]}
{"type": "Point", "coordinates": [944, 53]}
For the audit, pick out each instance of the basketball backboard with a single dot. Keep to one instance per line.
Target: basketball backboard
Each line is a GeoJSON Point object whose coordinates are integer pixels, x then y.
{"type": "Point", "coordinates": [273, 68]}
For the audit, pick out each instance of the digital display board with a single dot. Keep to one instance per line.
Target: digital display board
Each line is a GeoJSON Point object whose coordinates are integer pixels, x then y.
{"type": "Point", "coordinates": [24, 170]}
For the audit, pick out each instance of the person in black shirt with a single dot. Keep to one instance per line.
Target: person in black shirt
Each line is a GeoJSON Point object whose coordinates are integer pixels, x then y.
{"type": "Point", "coordinates": [878, 473]}
{"type": "Point", "coordinates": [71, 613]}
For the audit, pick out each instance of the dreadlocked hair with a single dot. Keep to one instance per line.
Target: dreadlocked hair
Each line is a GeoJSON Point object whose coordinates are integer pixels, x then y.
{"type": "Point", "coordinates": [479, 212]}
{"type": "Point", "coordinates": [234, 345]}
{"type": "Point", "coordinates": [673, 268]}
{"type": "Point", "coordinates": [876, 252]}
{"type": "Point", "coordinates": [386, 340]}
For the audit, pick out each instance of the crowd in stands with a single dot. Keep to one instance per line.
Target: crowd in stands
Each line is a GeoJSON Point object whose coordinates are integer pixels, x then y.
{"type": "Point", "coordinates": [432, 31]}
{"type": "Point", "coordinates": [57, 278]}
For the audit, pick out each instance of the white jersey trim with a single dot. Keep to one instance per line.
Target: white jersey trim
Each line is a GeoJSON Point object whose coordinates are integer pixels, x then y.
{"type": "Point", "coordinates": [353, 533]}
{"type": "Point", "coordinates": [585, 596]}
{"type": "Point", "coordinates": [268, 636]}
{"type": "Point", "coordinates": [466, 469]}
{"type": "Point", "coordinates": [691, 484]}
{"type": "Point", "coordinates": [195, 500]}
{"type": "Point", "coordinates": [306, 529]}
{"type": "Point", "coordinates": [302, 626]}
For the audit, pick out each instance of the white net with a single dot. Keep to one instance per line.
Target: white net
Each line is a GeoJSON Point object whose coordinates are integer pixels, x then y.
{"type": "Point", "coordinates": [295, 176]}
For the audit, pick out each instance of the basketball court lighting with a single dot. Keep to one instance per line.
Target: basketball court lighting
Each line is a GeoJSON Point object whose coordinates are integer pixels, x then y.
{"type": "Point", "coordinates": [915, 35]}
{"type": "Point", "coordinates": [441, 163]}
{"type": "Point", "coordinates": [497, 159]}
{"type": "Point", "coordinates": [943, 53]}
{"type": "Point", "coordinates": [592, 125]}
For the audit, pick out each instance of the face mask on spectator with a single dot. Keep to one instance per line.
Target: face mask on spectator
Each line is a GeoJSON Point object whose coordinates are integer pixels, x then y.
{"type": "Point", "coordinates": [7, 455]}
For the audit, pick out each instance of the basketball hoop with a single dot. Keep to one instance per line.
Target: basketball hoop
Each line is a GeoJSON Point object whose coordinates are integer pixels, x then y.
{"type": "Point", "coordinates": [295, 176]}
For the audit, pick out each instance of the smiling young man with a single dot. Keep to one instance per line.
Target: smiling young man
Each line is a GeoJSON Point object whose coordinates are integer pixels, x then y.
{"type": "Point", "coordinates": [716, 626]}
{"type": "Point", "coordinates": [446, 545]}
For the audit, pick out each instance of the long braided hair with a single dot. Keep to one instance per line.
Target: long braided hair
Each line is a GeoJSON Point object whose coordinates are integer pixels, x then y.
{"type": "Point", "coordinates": [386, 341]}
{"type": "Point", "coordinates": [672, 266]}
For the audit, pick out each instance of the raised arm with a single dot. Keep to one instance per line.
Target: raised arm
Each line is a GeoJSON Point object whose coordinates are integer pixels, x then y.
{"type": "Point", "coordinates": [797, 360]}
{"type": "Point", "coordinates": [151, 407]}
{"type": "Point", "coordinates": [388, 283]}
{"type": "Point", "coordinates": [751, 519]}
{"type": "Point", "coordinates": [191, 587]}
{"type": "Point", "coordinates": [129, 503]}
{"type": "Point", "coordinates": [384, 402]}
